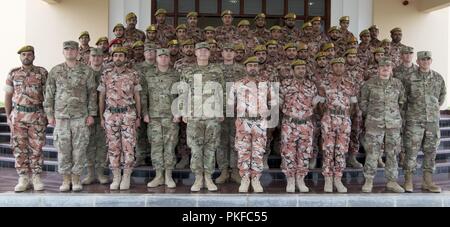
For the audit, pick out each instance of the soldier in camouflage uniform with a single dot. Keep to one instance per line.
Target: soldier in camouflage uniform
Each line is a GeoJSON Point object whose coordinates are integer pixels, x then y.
{"type": "Point", "coordinates": [71, 103]}
{"type": "Point", "coordinates": [152, 37]}
{"type": "Point", "coordinates": [120, 112]}
{"type": "Point", "coordinates": [83, 55]}
{"type": "Point", "coordinates": [239, 58]}
{"type": "Point", "coordinates": [425, 92]}
{"type": "Point", "coordinates": [298, 98]}
{"type": "Point", "coordinates": [166, 32]}
{"type": "Point", "coordinates": [132, 34]}
{"type": "Point", "coordinates": [329, 50]}
{"type": "Point", "coordinates": [24, 95]}
{"type": "Point", "coordinates": [381, 101]}
{"type": "Point", "coordinates": [96, 150]}
{"type": "Point", "coordinates": [396, 45]}
{"type": "Point", "coordinates": [290, 32]}
{"type": "Point", "coordinates": [103, 43]}
{"type": "Point", "coordinates": [226, 154]}
{"type": "Point", "coordinates": [372, 68]}
{"type": "Point", "coordinates": [274, 53]}
{"type": "Point", "coordinates": [174, 49]}
{"type": "Point", "coordinates": [119, 32]}
{"type": "Point", "coordinates": [227, 32]}
{"type": "Point", "coordinates": [245, 36]}
{"type": "Point", "coordinates": [138, 53]}
{"type": "Point", "coordinates": [357, 72]}
{"type": "Point", "coordinates": [203, 115]}
{"type": "Point", "coordinates": [189, 59]}
{"type": "Point", "coordinates": [260, 31]}
{"type": "Point", "coordinates": [193, 31]}
{"type": "Point", "coordinates": [251, 124]}
{"type": "Point", "coordinates": [335, 38]}
{"type": "Point", "coordinates": [340, 96]}
{"type": "Point", "coordinates": [180, 33]}
{"type": "Point", "coordinates": [374, 41]}
{"type": "Point", "coordinates": [210, 32]}
{"type": "Point", "coordinates": [365, 52]}
{"type": "Point", "coordinates": [319, 36]}
{"type": "Point", "coordinates": [344, 22]}
{"type": "Point", "coordinates": [163, 127]}
{"type": "Point", "coordinates": [216, 54]}
{"type": "Point", "coordinates": [276, 33]}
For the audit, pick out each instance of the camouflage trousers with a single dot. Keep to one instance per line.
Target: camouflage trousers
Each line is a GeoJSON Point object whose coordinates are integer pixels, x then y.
{"type": "Point", "coordinates": [96, 150]}
{"type": "Point", "coordinates": [183, 149]}
{"type": "Point", "coordinates": [71, 138]}
{"type": "Point", "coordinates": [142, 143]}
{"type": "Point", "coordinates": [316, 135]}
{"type": "Point", "coordinates": [335, 140]}
{"type": "Point", "coordinates": [356, 132]}
{"type": "Point", "coordinates": [296, 147]}
{"type": "Point", "coordinates": [250, 144]}
{"type": "Point", "coordinates": [203, 138]}
{"type": "Point", "coordinates": [163, 134]}
{"type": "Point", "coordinates": [417, 135]}
{"type": "Point", "coordinates": [226, 155]}
{"type": "Point", "coordinates": [27, 141]}
{"type": "Point", "coordinates": [374, 138]}
{"type": "Point", "coordinates": [121, 138]}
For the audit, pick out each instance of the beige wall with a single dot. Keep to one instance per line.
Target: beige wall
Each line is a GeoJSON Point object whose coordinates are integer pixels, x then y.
{"type": "Point", "coordinates": [423, 31]}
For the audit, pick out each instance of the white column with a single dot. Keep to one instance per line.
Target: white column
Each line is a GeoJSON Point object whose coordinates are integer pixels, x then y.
{"type": "Point", "coordinates": [359, 11]}
{"type": "Point", "coordinates": [118, 9]}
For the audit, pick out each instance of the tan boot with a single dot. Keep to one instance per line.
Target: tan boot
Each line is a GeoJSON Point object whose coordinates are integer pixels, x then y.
{"type": "Point", "coordinates": [328, 187]}
{"type": "Point", "coordinates": [198, 183]}
{"type": "Point", "coordinates": [368, 185]}
{"type": "Point", "coordinates": [158, 180]}
{"type": "Point", "coordinates": [300, 180]}
{"type": "Point", "coordinates": [312, 163]}
{"type": "Point", "coordinates": [339, 186]}
{"type": "Point", "coordinates": [210, 183]}
{"type": "Point", "coordinates": [235, 175]}
{"type": "Point", "coordinates": [65, 186]}
{"type": "Point", "coordinates": [76, 183]}
{"type": "Point", "coordinates": [256, 185]}
{"type": "Point", "coordinates": [224, 175]}
{"type": "Point", "coordinates": [428, 184]}
{"type": "Point", "coordinates": [117, 177]}
{"type": "Point", "coordinates": [23, 183]}
{"type": "Point", "coordinates": [381, 163]}
{"type": "Point", "coordinates": [38, 185]}
{"type": "Point", "coordinates": [90, 178]}
{"type": "Point", "coordinates": [101, 177]}
{"type": "Point", "coordinates": [168, 179]}
{"type": "Point", "coordinates": [290, 187]}
{"type": "Point", "coordinates": [352, 162]}
{"type": "Point", "coordinates": [125, 182]}
{"type": "Point", "coordinates": [409, 186]}
{"type": "Point", "coordinates": [393, 186]}
{"type": "Point", "coordinates": [183, 163]}
{"type": "Point", "coordinates": [245, 184]}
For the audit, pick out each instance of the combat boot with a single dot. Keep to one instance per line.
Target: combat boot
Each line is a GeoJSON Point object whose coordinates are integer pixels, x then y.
{"type": "Point", "coordinates": [290, 187]}
{"type": "Point", "coordinates": [125, 182]}
{"type": "Point", "coordinates": [23, 184]}
{"type": "Point", "coordinates": [312, 163]}
{"type": "Point", "coordinates": [66, 183]}
{"type": "Point", "coordinates": [245, 183]}
{"type": "Point", "coordinates": [158, 180]}
{"type": "Point", "coordinates": [256, 185]}
{"type": "Point", "coordinates": [168, 179]}
{"type": "Point", "coordinates": [224, 175]}
{"type": "Point", "coordinates": [353, 162]}
{"type": "Point", "coordinates": [300, 180]}
{"type": "Point", "coordinates": [393, 186]}
{"type": "Point", "coordinates": [368, 185]}
{"type": "Point", "coordinates": [198, 183]}
{"type": "Point", "coordinates": [209, 183]}
{"type": "Point", "coordinates": [409, 186]}
{"type": "Point", "coordinates": [184, 163]}
{"type": "Point", "coordinates": [428, 184]}
{"type": "Point", "coordinates": [381, 163]}
{"type": "Point", "coordinates": [76, 184]}
{"type": "Point", "coordinates": [116, 179]}
{"type": "Point", "coordinates": [235, 175]}
{"type": "Point", "coordinates": [339, 186]}
{"type": "Point", "coordinates": [38, 185]}
{"type": "Point", "coordinates": [101, 177]}
{"type": "Point", "coordinates": [328, 187]}
{"type": "Point", "coordinates": [90, 178]}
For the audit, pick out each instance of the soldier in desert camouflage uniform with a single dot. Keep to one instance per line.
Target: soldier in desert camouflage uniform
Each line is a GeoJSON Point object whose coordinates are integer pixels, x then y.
{"type": "Point", "coordinates": [166, 32]}
{"type": "Point", "coordinates": [193, 31]}
{"type": "Point", "coordinates": [84, 39]}
{"type": "Point", "coordinates": [226, 32]}
{"type": "Point", "coordinates": [260, 31]}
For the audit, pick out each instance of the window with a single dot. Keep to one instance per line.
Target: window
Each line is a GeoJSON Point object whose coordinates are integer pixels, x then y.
{"type": "Point", "coordinates": [210, 10]}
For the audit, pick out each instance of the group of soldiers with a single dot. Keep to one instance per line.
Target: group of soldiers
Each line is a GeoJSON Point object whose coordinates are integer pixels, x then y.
{"type": "Point", "coordinates": [298, 92]}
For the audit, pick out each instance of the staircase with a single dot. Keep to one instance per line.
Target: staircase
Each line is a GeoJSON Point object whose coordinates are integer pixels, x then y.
{"type": "Point", "coordinates": [145, 172]}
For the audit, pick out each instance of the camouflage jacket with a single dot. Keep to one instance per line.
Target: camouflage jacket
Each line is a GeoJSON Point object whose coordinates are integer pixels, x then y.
{"type": "Point", "coordinates": [339, 93]}
{"type": "Point", "coordinates": [83, 55]}
{"type": "Point", "coordinates": [375, 43]}
{"type": "Point", "coordinates": [70, 92]}
{"type": "Point", "coordinates": [158, 97]}
{"type": "Point", "coordinates": [226, 34]}
{"type": "Point", "coordinates": [296, 96]}
{"type": "Point", "coordinates": [262, 34]}
{"type": "Point", "coordinates": [133, 35]}
{"type": "Point", "coordinates": [365, 55]}
{"type": "Point", "coordinates": [231, 74]}
{"type": "Point", "coordinates": [401, 72]}
{"type": "Point", "coordinates": [119, 87]}
{"type": "Point", "coordinates": [195, 33]}
{"type": "Point", "coordinates": [165, 33]}
{"type": "Point", "coordinates": [184, 62]}
{"type": "Point", "coordinates": [290, 35]}
{"type": "Point", "coordinates": [425, 93]}
{"type": "Point", "coordinates": [357, 72]}
{"type": "Point", "coordinates": [381, 102]}
{"type": "Point", "coordinates": [249, 42]}
{"type": "Point", "coordinates": [395, 52]}
{"type": "Point", "coordinates": [371, 71]}
{"type": "Point", "coordinates": [28, 85]}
